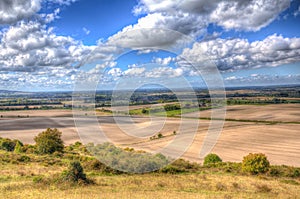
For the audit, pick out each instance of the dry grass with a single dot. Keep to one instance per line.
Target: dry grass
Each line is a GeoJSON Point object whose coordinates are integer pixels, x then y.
{"type": "Point", "coordinates": [155, 186]}
{"type": "Point", "coordinates": [36, 179]}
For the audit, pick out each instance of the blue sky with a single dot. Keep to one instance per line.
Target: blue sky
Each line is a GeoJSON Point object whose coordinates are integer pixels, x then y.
{"type": "Point", "coordinates": [52, 45]}
{"type": "Point", "coordinates": [102, 18]}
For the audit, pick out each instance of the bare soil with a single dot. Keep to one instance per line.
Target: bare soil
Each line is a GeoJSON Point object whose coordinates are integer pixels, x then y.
{"type": "Point", "coordinates": [280, 142]}
{"type": "Point", "coordinates": [276, 112]}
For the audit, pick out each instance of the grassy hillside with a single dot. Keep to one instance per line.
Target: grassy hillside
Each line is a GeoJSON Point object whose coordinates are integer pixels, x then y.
{"type": "Point", "coordinates": [26, 174]}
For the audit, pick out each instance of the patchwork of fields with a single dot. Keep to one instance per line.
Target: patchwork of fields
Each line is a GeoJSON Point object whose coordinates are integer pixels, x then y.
{"type": "Point", "coordinates": [270, 129]}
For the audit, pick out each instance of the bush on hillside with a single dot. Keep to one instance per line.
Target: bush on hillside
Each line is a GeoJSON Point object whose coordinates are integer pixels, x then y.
{"type": "Point", "coordinates": [255, 163]}
{"type": "Point", "coordinates": [75, 174]}
{"type": "Point", "coordinates": [8, 144]}
{"type": "Point", "coordinates": [179, 166]}
{"type": "Point", "coordinates": [49, 141]}
{"type": "Point", "coordinates": [211, 159]}
{"type": "Point", "coordinates": [128, 161]}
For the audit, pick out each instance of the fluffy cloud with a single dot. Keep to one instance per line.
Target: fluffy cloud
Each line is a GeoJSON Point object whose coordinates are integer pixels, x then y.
{"type": "Point", "coordinates": [158, 30]}
{"type": "Point", "coordinates": [257, 79]}
{"type": "Point", "coordinates": [164, 61]}
{"type": "Point", "coordinates": [32, 54]}
{"type": "Point", "coordinates": [200, 7]}
{"type": "Point", "coordinates": [234, 54]}
{"type": "Point", "coordinates": [51, 16]}
{"type": "Point", "coordinates": [191, 18]}
{"type": "Point", "coordinates": [12, 11]}
{"type": "Point", "coordinates": [53, 78]}
{"type": "Point", "coordinates": [31, 46]}
{"type": "Point", "coordinates": [248, 15]}
{"type": "Point", "coordinates": [135, 71]}
{"type": "Point", "coordinates": [115, 72]}
{"type": "Point", "coordinates": [160, 72]}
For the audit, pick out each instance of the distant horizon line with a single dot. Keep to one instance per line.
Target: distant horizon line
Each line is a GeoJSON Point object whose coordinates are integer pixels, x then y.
{"type": "Point", "coordinates": [151, 88]}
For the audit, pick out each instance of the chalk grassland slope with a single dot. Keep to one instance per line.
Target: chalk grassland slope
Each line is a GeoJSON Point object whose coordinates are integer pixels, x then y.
{"type": "Point", "coordinates": [148, 186]}
{"type": "Point", "coordinates": [28, 175]}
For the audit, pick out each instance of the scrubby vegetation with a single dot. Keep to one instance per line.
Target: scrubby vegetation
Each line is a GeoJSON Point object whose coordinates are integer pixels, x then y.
{"type": "Point", "coordinates": [255, 163]}
{"type": "Point", "coordinates": [49, 141]}
{"type": "Point", "coordinates": [74, 168]}
{"type": "Point", "coordinates": [9, 145]}
{"type": "Point", "coordinates": [75, 174]}
{"type": "Point", "coordinates": [128, 160]}
{"type": "Point", "coordinates": [211, 159]}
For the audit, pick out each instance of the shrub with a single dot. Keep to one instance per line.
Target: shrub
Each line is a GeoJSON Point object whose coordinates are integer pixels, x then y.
{"type": "Point", "coordinates": [275, 171]}
{"type": "Point", "coordinates": [230, 167]}
{"type": "Point", "coordinates": [145, 111]}
{"type": "Point", "coordinates": [172, 107]}
{"type": "Point", "coordinates": [186, 165]}
{"type": "Point", "coordinates": [69, 148]}
{"type": "Point", "coordinates": [255, 163]}
{"type": "Point", "coordinates": [172, 169]}
{"type": "Point", "coordinates": [211, 159]}
{"type": "Point", "coordinates": [8, 144]}
{"type": "Point", "coordinates": [77, 144]}
{"type": "Point", "coordinates": [29, 149]}
{"type": "Point", "coordinates": [180, 166]}
{"type": "Point", "coordinates": [284, 171]}
{"type": "Point", "coordinates": [296, 173]}
{"type": "Point", "coordinates": [18, 147]}
{"type": "Point", "coordinates": [160, 135]}
{"type": "Point", "coordinates": [129, 149]}
{"type": "Point", "coordinates": [49, 141]}
{"type": "Point", "coordinates": [128, 161]}
{"type": "Point", "coordinates": [75, 174]}
{"type": "Point", "coordinates": [96, 165]}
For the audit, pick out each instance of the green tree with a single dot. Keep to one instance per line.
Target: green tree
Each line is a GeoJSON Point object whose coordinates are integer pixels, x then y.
{"type": "Point", "coordinates": [49, 141]}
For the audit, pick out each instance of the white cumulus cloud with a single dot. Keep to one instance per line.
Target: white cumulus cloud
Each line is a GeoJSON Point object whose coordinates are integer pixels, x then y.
{"type": "Point", "coordinates": [247, 15]}
{"type": "Point", "coordinates": [12, 11]}
{"type": "Point", "coordinates": [236, 54]}
{"type": "Point", "coordinates": [30, 46]}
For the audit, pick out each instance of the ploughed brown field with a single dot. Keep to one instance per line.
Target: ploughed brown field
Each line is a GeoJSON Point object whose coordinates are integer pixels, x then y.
{"type": "Point", "coordinates": [279, 139]}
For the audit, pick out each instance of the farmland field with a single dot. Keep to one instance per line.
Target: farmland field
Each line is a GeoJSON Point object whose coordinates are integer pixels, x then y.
{"type": "Point", "coordinates": [246, 130]}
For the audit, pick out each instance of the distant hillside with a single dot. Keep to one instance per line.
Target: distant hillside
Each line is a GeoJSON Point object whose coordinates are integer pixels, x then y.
{"type": "Point", "coordinates": [9, 92]}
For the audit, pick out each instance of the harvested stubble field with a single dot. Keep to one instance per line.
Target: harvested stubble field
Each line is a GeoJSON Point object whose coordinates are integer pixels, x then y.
{"type": "Point", "coordinates": [270, 129]}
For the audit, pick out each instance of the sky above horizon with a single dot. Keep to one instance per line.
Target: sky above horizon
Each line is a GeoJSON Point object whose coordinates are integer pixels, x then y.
{"type": "Point", "coordinates": [53, 45]}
